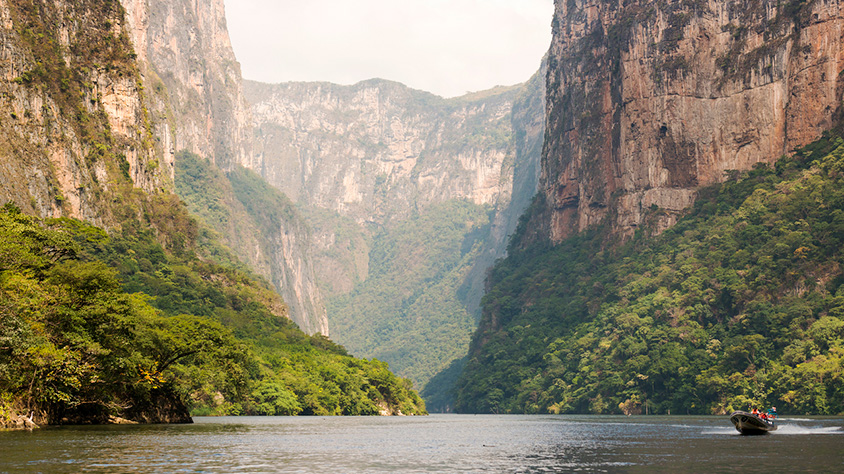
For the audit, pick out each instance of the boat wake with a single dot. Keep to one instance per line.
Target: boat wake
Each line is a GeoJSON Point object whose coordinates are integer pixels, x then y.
{"type": "Point", "coordinates": [787, 429]}
{"type": "Point", "coordinates": [722, 432]}
{"type": "Point", "coordinates": [794, 429]}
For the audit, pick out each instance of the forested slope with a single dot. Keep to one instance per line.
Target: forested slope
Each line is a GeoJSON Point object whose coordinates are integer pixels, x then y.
{"type": "Point", "coordinates": [261, 226]}
{"type": "Point", "coordinates": [97, 326]}
{"type": "Point", "coordinates": [739, 304]}
{"type": "Point", "coordinates": [408, 311]}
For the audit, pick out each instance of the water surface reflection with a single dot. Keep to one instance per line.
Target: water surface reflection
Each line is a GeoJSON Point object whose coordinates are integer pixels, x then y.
{"type": "Point", "coordinates": [435, 444]}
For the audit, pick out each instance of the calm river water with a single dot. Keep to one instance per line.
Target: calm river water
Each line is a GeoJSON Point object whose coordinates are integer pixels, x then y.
{"type": "Point", "coordinates": [436, 444]}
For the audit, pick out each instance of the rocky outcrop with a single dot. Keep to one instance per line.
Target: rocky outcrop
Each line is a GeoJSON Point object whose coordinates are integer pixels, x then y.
{"type": "Point", "coordinates": [16, 421]}
{"type": "Point", "coordinates": [647, 101]}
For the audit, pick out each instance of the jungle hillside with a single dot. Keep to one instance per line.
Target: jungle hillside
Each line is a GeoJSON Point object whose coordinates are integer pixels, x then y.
{"type": "Point", "coordinates": [100, 326]}
{"type": "Point", "coordinates": [740, 304]}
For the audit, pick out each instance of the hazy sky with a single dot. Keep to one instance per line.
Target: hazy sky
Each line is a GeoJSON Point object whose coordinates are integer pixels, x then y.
{"type": "Point", "coordinates": [447, 47]}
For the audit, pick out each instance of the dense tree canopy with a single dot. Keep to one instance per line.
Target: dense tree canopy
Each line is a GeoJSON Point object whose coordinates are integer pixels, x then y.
{"type": "Point", "coordinates": [409, 311]}
{"type": "Point", "coordinates": [96, 326]}
{"type": "Point", "coordinates": [740, 304]}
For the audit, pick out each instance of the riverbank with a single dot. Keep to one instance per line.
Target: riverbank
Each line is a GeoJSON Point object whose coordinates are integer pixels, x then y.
{"type": "Point", "coordinates": [18, 422]}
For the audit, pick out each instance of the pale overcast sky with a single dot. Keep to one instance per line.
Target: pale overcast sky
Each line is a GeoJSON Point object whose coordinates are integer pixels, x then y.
{"type": "Point", "coordinates": [448, 47]}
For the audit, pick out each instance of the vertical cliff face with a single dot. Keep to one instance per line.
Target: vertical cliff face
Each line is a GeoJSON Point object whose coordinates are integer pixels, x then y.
{"type": "Point", "coordinates": [377, 150]}
{"type": "Point", "coordinates": [74, 130]}
{"type": "Point", "coordinates": [647, 101]}
{"type": "Point", "coordinates": [195, 94]}
{"type": "Point", "coordinates": [195, 77]}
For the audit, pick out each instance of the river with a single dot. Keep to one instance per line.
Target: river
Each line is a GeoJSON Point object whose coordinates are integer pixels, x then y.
{"type": "Point", "coordinates": [434, 444]}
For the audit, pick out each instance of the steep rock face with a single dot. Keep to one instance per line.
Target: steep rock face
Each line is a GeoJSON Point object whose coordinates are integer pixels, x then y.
{"type": "Point", "coordinates": [264, 227]}
{"type": "Point", "coordinates": [528, 132]}
{"type": "Point", "coordinates": [378, 150]}
{"type": "Point", "coordinates": [196, 98]}
{"type": "Point", "coordinates": [411, 197]}
{"type": "Point", "coordinates": [647, 101]}
{"type": "Point", "coordinates": [195, 75]}
{"type": "Point", "coordinates": [285, 244]}
{"type": "Point", "coordinates": [73, 127]}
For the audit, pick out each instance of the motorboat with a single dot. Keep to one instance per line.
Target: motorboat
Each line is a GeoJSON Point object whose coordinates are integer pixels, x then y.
{"type": "Point", "coordinates": [750, 424]}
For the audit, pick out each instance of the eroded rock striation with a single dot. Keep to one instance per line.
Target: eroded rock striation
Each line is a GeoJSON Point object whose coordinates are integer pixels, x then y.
{"type": "Point", "coordinates": [193, 74]}
{"type": "Point", "coordinates": [378, 149]}
{"type": "Point", "coordinates": [647, 101]}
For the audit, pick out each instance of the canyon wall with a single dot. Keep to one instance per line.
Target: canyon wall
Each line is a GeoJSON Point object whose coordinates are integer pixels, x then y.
{"type": "Point", "coordinates": [647, 101]}
{"type": "Point", "coordinates": [194, 83]}
{"type": "Point", "coordinates": [364, 156]}
{"type": "Point", "coordinates": [527, 120]}
{"type": "Point", "coordinates": [191, 70]}
{"type": "Point", "coordinates": [378, 149]}
{"type": "Point", "coordinates": [410, 197]}
{"type": "Point", "coordinates": [74, 130]}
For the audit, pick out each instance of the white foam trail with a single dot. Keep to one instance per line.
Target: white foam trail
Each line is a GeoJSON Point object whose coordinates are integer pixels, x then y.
{"type": "Point", "coordinates": [804, 430]}
{"type": "Point", "coordinates": [788, 429]}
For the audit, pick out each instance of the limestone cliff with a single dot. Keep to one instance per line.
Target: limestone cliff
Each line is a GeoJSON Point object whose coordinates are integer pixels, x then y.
{"type": "Point", "coordinates": [74, 130]}
{"type": "Point", "coordinates": [411, 197]}
{"type": "Point", "coordinates": [185, 49]}
{"type": "Point", "coordinates": [377, 150]}
{"type": "Point", "coordinates": [647, 101]}
{"type": "Point", "coordinates": [196, 99]}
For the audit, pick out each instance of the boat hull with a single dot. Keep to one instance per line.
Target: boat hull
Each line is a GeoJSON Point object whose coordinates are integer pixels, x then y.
{"type": "Point", "coordinates": [750, 424]}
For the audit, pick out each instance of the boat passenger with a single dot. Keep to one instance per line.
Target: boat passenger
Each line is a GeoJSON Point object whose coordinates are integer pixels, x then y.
{"type": "Point", "coordinates": [772, 413]}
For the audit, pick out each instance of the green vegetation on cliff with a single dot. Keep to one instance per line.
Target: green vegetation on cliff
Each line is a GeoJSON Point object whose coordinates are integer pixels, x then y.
{"type": "Point", "coordinates": [97, 326]}
{"type": "Point", "coordinates": [741, 303]}
{"type": "Point", "coordinates": [260, 224]}
{"type": "Point", "coordinates": [154, 317]}
{"type": "Point", "coordinates": [408, 312]}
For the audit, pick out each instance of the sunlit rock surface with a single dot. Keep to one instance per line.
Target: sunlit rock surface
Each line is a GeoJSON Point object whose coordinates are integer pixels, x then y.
{"type": "Point", "coordinates": [647, 101]}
